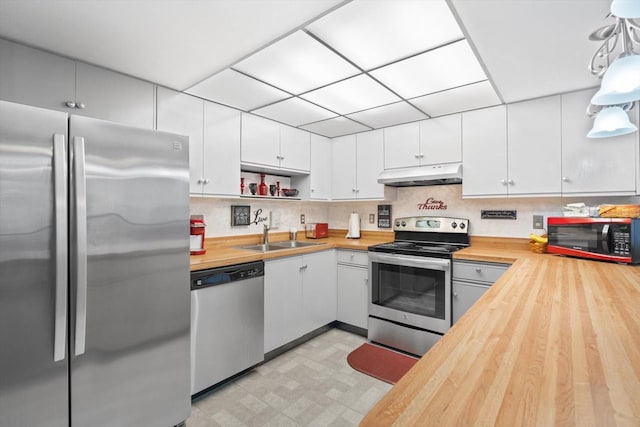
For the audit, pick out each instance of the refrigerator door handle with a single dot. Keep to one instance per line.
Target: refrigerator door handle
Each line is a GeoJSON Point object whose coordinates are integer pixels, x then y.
{"type": "Point", "coordinates": [80, 188]}
{"type": "Point", "coordinates": [62, 254]}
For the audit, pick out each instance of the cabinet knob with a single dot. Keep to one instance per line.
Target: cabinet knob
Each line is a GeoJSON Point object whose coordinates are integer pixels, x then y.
{"type": "Point", "coordinates": [353, 190]}
{"type": "Point", "coordinates": [478, 270]}
{"type": "Point", "coordinates": [565, 179]}
{"type": "Point", "coordinates": [421, 155]}
{"type": "Point", "coordinates": [510, 182]}
{"type": "Point", "coordinates": [455, 295]}
{"type": "Point", "coordinates": [503, 181]}
{"type": "Point", "coordinates": [200, 181]}
{"type": "Point", "coordinates": [417, 155]}
{"type": "Point", "coordinates": [80, 105]}
{"type": "Point", "coordinates": [70, 104]}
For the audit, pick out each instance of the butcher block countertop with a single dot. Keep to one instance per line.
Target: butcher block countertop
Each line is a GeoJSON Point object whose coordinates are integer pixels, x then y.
{"type": "Point", "coordinates": [554, 342]}
{"type": "Point", "coordinates": [222, 251]}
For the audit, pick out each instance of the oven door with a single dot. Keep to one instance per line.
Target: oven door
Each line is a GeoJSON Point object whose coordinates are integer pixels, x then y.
{"type": "Point", "coordinates": [411, 290]}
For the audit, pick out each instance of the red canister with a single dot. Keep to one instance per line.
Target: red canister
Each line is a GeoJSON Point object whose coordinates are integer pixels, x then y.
{"type": "Point", "coordinates": [197, 227]}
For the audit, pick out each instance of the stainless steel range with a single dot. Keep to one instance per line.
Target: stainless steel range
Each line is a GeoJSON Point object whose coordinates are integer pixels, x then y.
{"type": "Point", "coordinates": [410, 295]}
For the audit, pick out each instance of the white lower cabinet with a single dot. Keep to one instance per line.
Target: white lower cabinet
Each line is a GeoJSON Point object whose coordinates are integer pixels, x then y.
{"type": "Point", "coordinates": [299, 296]}
{"type": "Point", "coordinates": [353, 288]}
{"type": "Point", "coordinates": [470, 281]}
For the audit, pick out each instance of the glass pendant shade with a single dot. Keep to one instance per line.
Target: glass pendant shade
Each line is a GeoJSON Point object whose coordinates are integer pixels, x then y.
{"type": "Point", "coordinates": [621, 82]}
{"type": "Point", "coordinates": [626, 8]}
{"type": "Point", "coordinates": [611, 121]}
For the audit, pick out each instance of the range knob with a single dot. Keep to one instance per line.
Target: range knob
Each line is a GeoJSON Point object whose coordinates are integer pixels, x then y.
{"type": "Point", "coordinates": [462, 226]}
{"type": "Point", "coordinates": [397, 223]}
{"type": "Point", "coordinates": [454, 225]}
{"type": "Point", "coordinates": [404, 224]}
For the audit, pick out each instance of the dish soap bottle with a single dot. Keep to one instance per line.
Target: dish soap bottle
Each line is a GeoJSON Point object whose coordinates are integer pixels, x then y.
{"type": "Point", "coordinates": [262, 188]}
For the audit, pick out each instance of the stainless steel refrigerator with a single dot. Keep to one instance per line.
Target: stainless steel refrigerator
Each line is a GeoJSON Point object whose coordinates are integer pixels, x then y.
{"type": "Point", "coordinates": [94, 272]}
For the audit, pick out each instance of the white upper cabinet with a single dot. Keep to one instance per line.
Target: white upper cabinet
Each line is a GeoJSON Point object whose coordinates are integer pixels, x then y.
{"type": "Point", "coordinates": [113, 96]}
{"type": "Point", "coordinates": [214, 140]}
{"type": "Point", "coordinates": [484, 152]}
{"type": "Point", "coordinates": [357, 161]}
{"type": "Point", "coordinates": [441, 140]}
{"type": "Point", "coordinates": [33, 77]}
{"type": "Point", "coordinates": [534, 139]}
{"type": "Point", "coordinates": [600, 166]}
{"type": "Point", "coordinates": [321, 167]}
{"type": "Point", "coordinates": [221, 151]}
{"type": "Point", "coordinates": [269, 144]}
{"type": "Point", "coordinates": [402, 146]}
{"type": "Point", "coordinates": [182, 114]}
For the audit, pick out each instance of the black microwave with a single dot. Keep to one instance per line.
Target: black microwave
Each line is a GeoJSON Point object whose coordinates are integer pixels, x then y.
{"type": "Point", "coordinates": [605, 239]}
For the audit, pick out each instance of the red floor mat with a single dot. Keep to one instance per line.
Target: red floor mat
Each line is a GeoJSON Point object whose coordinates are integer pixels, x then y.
{"type": "Point", "coordinates": [381, 363]}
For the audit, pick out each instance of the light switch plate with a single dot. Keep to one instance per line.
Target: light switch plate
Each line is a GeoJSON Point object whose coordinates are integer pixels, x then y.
{"type": "Point", "coordinates": [301, 218]}
{"type": "Point", "coordinates": [274, 219]}
{"type": "Point", "coordinates": [372, 218]}
{"type": "Point", "coordinates": [538, 221]}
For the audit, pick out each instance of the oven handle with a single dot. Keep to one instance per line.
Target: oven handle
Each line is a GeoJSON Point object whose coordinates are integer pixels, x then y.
{"type": "Point", "coordinates": [411, 261]}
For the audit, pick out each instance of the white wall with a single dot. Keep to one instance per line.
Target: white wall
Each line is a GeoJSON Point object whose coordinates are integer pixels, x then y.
{"type": "Point", "coordinates": [218, 212]}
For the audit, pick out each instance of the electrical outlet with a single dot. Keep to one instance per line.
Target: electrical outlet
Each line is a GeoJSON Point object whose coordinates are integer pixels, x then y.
{"type": "Point", "coordinates": [372, 218]}
{"type": "Point", "coordinates": [538, 221]}
{"type": "Point", "coordinates": [274, 219]}
{"type": "Point", "coordinates": [301, 218]}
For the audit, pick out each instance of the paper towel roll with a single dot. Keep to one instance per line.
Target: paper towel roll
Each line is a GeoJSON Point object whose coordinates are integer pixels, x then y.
{"type": "Point", "coordinates": [354, 226]}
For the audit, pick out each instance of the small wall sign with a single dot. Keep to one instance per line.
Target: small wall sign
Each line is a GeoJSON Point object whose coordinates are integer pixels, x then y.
{"type": "Point", "coordinates": [384, 216]}
{"type": "Point", "coordinates": [499, 214]}
{"type": "Point", "coordinates": [432, 204]}
{"type": "Point", "coordinates": [240, 215]}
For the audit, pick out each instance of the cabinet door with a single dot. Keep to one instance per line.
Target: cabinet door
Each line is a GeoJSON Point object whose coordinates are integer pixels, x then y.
{"type": "Point", "coordinates": [369, 165]}
{"type": "Point", "coordinates": [604, 166]}
{"type": "Point", "coordinates": [441, 140]}
{"type": "Point", "coordinates": [484, 152]}
{"type": "Point", "coordinates": [260, 141]}
{"type": "Point", "coordinates": [402, 146]}
{"type": "Point", "coordinates": [282, 302]}
{"type": "Point", "coordinates": [318, 290]}
{"type": "Point", "coordinates": [182, 114]}
{"type": "Point", "coordinates": [320, 175]}
{"type": "Point", "coordinates": [534, 155]}
{"type": "Point", "coordinates": [295, 151]}
{"type": "Point", "coordinates": [343, 155]}
{"type": "Point", "coordinates": [113, 96]}
{"type": "Point", "coordinates": [33, 77]}
{"type": "Point", "coordinates": [353, 295]}
{"type": "Point", "coordinates": [221, 150]}
{"type": "Point", "coordinates": [464, 296]}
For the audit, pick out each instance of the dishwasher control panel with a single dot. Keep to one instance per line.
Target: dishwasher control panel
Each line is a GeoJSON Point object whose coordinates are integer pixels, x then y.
{"type": "Point", "coordinates": [222, 275]}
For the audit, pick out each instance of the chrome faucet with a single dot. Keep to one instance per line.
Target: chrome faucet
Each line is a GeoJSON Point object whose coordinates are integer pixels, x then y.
{"type": "Point", "coordinates": [265, 235]}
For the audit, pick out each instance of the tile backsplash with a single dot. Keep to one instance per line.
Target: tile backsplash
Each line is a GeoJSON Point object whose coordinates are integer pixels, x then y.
{"type": "Point", "coordinates": [410, 202]}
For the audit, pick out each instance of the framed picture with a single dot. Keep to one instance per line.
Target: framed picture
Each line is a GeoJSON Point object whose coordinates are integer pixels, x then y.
{"type": "Point", "coordinates": [240, 215]}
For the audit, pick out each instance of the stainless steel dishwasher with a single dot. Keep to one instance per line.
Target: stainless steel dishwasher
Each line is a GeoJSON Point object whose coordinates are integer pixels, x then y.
{"type": "Point", "coordinates": [227, 322]}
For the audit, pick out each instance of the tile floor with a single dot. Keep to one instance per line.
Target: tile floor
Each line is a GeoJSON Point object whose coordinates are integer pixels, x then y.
{"type": "Point", "coordinates": [311, 385]}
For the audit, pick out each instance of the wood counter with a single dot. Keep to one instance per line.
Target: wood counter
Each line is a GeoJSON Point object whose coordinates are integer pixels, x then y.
{"type": "Point", "coordinates": [554, 342]}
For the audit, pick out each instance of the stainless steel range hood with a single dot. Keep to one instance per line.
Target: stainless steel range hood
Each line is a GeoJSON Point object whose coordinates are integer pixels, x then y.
{"type": "Point", "coordinates": [450, 173]}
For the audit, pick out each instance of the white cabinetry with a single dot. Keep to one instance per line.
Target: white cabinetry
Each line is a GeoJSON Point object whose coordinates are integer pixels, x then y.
{"type": "Point", "coordinates": [402, 146]}
{"type": "Point", "coordinates": [214, 140]}
{"type": "Point", "coordinates": [320, 175]}
{"type": "Point", "coordinates": [441, 140]}
{"type": "Point", "coordinates": [30, 76]}
{"type": "Point", "coordinates": [300, 296]}
{"type": "Point", "coordinates": [484, 152]}
{"type": "Point", "coordinates": [470, 281]}
{"type": "Point", "coordinates": [534, 140]}
{"type": "Point", "coordinates": [353, 288]}
{"type": "Point", "coordinates": [271, 146]}
{"type": "Point", "coordinates": [601, 166]}
{"type": "Point", "coordinates": [357, 161]}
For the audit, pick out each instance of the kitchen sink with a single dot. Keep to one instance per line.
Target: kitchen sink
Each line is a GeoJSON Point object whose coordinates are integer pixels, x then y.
{"type": "Point", "coordinates": [294, 244]}
{"type": "Point", "coordinates": [278, 246]}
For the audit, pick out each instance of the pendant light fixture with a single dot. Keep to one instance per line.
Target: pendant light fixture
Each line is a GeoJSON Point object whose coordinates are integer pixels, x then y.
{"type": "Point", "coordinates": [620, 86]}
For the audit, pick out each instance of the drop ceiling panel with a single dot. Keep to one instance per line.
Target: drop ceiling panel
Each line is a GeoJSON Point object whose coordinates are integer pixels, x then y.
{"type": "Point", "coordinates": [297, 63]}
{"type": "Point", "coordinates": [533, 48]}
{"type": "Point", "coordinates": [170, 42]}
{"type": "Point", "coordinates": [388, 115]}
{"type": "Point", "coordinates": [463, 98]}
{"type": "Point", "coordinates": [375, 33]}
{"type": "Point", "coordinates": [335, 127]}
{"type": "Point", "coordinates": [433, 71]}
{"type": "Point", "coordinates": [294, 111]}
{"type": "Point", "coordinates": [354, 94]}
{"type": "Point", "coordinates": [232, 88]}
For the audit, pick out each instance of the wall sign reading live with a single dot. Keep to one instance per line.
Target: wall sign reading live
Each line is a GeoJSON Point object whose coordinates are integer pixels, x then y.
{"type": "Point", "coordinates": [432, 204]}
